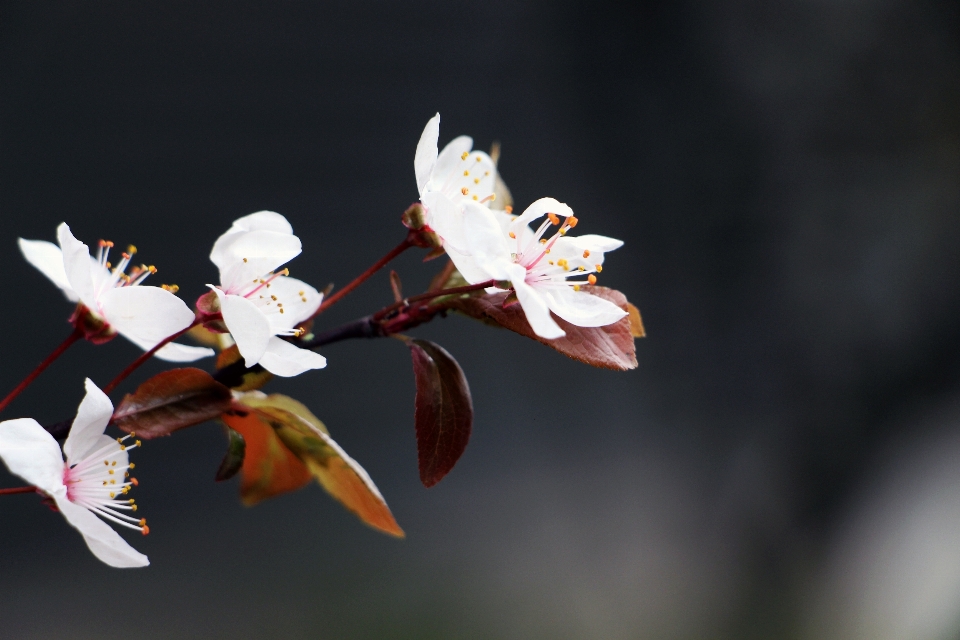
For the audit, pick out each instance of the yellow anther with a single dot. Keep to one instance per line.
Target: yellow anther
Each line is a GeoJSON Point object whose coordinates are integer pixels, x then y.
{"type": "Point", "coordinates": [543, 241]}
{"type": "Point", "coordinates": [131, 501]}
{"type": "Point", "coordinates": [598, 267]}
{"type": "Point", "coordinates": [466, 173]}
{"type": "Point", "coordinates": [152, 269]}
{"type": "Point", "coordinates": [464, 191]}
{"type": "Point", "coordinates": [486, 173]}
{"type": "Point", "coordinates": [138, 443]}
{"type": "Point", "coordinates": [132, 465]}
{"type": "Point", "coordinates": [513, 235]}
{"type": "Point", "coordinates": [592, 279]}
{"type": "Point", "coordinates": [550, 262]}
{"type": "Point", "coordinates": [109, 265]}
{"type": "Point", "coordinates": [572, 221]}
{"type": "Point", "coordinates": [301, 293]}
{"type": "Point", "coordinates": [586, 253]}
{"type": "Point", "coordinates": [125, 490]}
{"type": "Point", "coordinates": [104, 483]}
{"type": "Point", "coordinates": [132, 249]}
{"type": "Point", "coordinates": [123, 448]}
{"type": "Point", "coordinates": [553, 218]}
{"type": "Point", "coordinates": [563, 231]}
{"type": "Point", "coordinates": [113, 464]}
{"type": "Point", "coordinates": [475, 197]}
{"type": "Point", "coordinates": [110, 471]}
{"type": "Point", "coordinates": [244, 259]}
{"type": "Point", "coordinates": [113, 482]}
{"type": "Point", "coordinates": [576, 287]}
{"type": "Point", "coordinates": [273, 297]}
{"type": "Point", "coordinates": [479, 159]}
{"type": "Point", "coordinates": [303, 299]}
{"type": "Point", "coordinates": [126, 474]}
{"type": "Point", "coordinates": [281, 309]}
{"type": "Point", "coordinates": [118, 440]}
{"type": "Point", "coordinates": [134, 507]}
{"type": "Point", "coordinates": [464, 155]}
{"type": "Point", "coordinates": [476, 181]}
{"type": "Point", "coordinates": [508, 209]}
{"type": "Point", "coordinates": [106, 462]}
{"type": "Point", "coordinates": [285, 272]}
{"type": "Point", "coordinates": [172, 288]}
{"type": "Point", "coordinates": [113, 495]}
{"type": "Point", "coordinates": [580, 268]}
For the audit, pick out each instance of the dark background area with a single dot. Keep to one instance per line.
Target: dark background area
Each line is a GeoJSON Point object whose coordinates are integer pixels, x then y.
{"type": "Point", "coordinates": [784, 462]}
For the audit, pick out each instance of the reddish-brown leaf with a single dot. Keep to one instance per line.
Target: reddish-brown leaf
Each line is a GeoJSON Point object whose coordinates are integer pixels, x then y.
{"type": "Point", "coordinates": [172, 400]}
{"type": "Point", "coordinates": [269, 467]}
{"type": "Point", "coordinates": [443, 410]}
{"type": "Point", "coordinates": [609, 347]}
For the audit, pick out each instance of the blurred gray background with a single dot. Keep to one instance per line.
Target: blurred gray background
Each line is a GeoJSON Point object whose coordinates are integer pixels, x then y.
{"type": "Point", "coordinates": [784, 462]}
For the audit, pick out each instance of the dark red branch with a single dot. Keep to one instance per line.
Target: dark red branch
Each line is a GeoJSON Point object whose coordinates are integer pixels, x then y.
{"type": "Point", "coordinates": [73, 337]}
{"type": "Point", "coordinates": [10, 492]}
{"type": "Point", "coordinates": [146, 356]}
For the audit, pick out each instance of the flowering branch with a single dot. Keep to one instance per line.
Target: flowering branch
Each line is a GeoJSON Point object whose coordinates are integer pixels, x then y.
{"type": "Point", "coordinates": [146, 355]}
{"type": "Point", "coordinates": [73, 337]}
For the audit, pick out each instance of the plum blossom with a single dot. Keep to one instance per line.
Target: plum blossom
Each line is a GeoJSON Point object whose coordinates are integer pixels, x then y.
{"type": "Point", "coordinates": [258, 303]}
{"type": "Point", "coordinates": [541, 269]}
{"type": "Point", "coordinates": [94, 481]}
{"type": "Point", "coordinates": [142, 314]}
{"type": "Point", "coordinates": [447, 181]}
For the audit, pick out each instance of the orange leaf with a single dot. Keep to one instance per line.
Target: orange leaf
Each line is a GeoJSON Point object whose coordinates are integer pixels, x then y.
{"type": "Point", "coordinates": [269, 467]}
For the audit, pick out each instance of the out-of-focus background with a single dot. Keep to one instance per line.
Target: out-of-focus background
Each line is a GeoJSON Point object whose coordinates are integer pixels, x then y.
{"type": "Point", "coordinates": [784, 462]}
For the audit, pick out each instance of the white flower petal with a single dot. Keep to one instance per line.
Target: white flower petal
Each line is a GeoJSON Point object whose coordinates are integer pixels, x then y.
{"type": "Point", "coordinates": [48, 259]}
{"type": "Point", "coordinates": [487, 244]}
{"type": "Point", "coordinates": [77, 266]}
{"type": "Point", "coordinates": [284, 359]}
{"type": "Point", "coordinates": [245, 256]}
{"type": "Point", "coordinates": [105, 543]}
{"type": "Point", "coordinates": [262, 221]}
{"type": "Point", "coordinates": [537, 312]}
{"type": "Point", "coordinates": [538, 209]}
{"type": "Point", "coordinates": [145, 315]}
{"type": "Point", "coordinates": [445, 219]}
{"type": "Point", "coordinates": [176, 352]}
{"type": "Point", "coordinates": [449, 164]}
{"type": "Point", "coordinates": [426, 156]}
{"type": "Point", "coordinates": [467, 266]}
{"type": "Point", "coordinates": [93, 416]}
{"type": "Point", "coordinates": [248, 326]}
{"type": "Point", "coordinates": [32, 453]}
{"type": "Point", "coordinates": [291, 293]}
{"type": "Point", "coordinates": [597, 243]}
{"type": "Point", "coordinates": [581, 308]}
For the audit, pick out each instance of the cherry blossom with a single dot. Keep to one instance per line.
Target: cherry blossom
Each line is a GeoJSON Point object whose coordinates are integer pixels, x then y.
{"type": "Point", "coordinates": [142, 314]}
{"type": "Point", "coordinates": [447, 181]}
{"type": "Point", "coordinates": [542, 269]}
{"type": "Point", "coordinates": [94, 481]}
{"type": "Point", "coordinates": [259, 303]}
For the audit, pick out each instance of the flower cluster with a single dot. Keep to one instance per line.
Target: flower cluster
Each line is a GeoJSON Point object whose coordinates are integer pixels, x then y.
{"type": "Point", "coordinates": [537, 280]}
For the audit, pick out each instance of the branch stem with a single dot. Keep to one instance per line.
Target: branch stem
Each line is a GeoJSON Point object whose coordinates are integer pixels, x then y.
{"type": "Point", "coordinates": [73, 337]}
{"type": "Point", "coordinates": [376, 266]}
{"type": "Point", "coordinates": [433, 294]}
{"type": "Point", "coordinates": [10, 492]}
{"type": "Point", "coordinates": [147, 355]}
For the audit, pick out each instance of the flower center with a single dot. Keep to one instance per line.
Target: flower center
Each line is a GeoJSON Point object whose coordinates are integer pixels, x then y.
{"type": "Point", "coordinates": [542, 269]}
{"type": "Point", "coordinates": [101, 480]}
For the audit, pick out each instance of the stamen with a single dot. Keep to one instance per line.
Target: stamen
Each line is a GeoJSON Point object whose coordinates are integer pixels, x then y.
{"type": "Point", "coordinates": [513, 235]}
{"type": "Point", "coordinates": [586, 253]}
{"type": "Point", "coordinates": [592, 279]}
{"type": "Point", "coordinates": [598, 267]}
{"type": "Point", "coordinates": [466, 173]}
{"type": "Point", "coordinates": [464, 155]}
{"type": "Point", "coordinates": [553, 218]}
{"type": "Point", "coordinates": [464, 191]}
{"type": "Point", "coordinates": [508, 209]}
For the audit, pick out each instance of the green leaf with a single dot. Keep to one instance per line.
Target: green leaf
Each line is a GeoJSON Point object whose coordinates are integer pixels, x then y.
{"type": "Point", "coordinates": [170, 401]}
{"type": "Point", "coordinates": [233, 459]}
{"type": "Point", "coordinates": [443, 410]}
{"type": "Point", "coordinates": [609, 347]}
